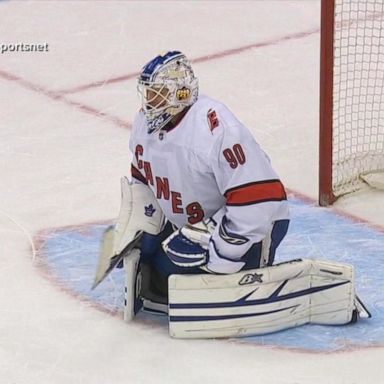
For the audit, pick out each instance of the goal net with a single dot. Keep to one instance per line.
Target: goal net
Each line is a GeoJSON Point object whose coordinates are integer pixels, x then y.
{"type": "Point", "coordinates": [351, 97]}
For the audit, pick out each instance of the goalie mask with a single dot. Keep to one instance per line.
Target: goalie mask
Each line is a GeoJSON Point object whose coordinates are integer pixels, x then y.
{"type": "Point", "coordinates": [166, 86]}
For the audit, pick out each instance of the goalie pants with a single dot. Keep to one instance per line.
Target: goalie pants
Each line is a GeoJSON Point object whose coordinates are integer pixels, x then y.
{"type": "Point", "coordinates": [152, 252]}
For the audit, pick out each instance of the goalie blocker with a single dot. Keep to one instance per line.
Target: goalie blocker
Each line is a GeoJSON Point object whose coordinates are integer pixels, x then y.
{"type": "Point", "coordinates": [256, 302]}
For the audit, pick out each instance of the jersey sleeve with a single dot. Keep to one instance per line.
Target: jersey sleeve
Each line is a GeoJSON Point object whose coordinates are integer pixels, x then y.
{"type": "Point", "coordinates": [254, 195]}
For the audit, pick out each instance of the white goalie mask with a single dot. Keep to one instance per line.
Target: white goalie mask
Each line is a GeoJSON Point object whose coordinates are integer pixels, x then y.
{"type": "Point", "coordinates": [166, 86]}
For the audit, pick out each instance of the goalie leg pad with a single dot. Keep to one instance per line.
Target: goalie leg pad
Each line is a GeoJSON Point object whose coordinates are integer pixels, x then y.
{"type": "Point", "coordinates": [261, 301]}
{"type": "Point", "coordinates": [132, 300]}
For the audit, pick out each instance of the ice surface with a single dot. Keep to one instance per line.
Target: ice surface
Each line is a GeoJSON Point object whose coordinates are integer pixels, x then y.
{"type": "Point", "coordinates": [70, 256]}
{"type": "Point", "coordinates": [62, 154]}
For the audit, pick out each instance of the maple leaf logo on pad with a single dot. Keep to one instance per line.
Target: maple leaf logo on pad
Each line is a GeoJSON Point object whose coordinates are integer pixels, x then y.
{"type": "Point", "coordinates": [149, 210]}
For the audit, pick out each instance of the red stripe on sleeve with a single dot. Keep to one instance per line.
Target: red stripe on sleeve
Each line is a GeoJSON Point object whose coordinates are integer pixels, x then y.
{"type": "Point", "coordinates": [137, 175]}
{"type": "Point", "coordinates": [254, 193]}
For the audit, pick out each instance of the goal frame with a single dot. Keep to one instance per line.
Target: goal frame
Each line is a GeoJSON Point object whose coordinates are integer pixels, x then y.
{"type": "Point", "coordinates": [326, 195]}
{"type": "Point", "coordinates": [351, 128]}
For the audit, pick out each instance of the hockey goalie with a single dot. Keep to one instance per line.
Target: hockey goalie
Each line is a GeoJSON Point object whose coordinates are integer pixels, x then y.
{"type": "Point", "coordinates": [202, 217]}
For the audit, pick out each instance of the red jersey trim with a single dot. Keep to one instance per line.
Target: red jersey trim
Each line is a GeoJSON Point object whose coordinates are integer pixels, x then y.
{"type": "Point", "coordinates": [257, 192]}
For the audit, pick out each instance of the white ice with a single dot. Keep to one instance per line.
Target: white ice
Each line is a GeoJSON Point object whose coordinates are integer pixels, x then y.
{"type": "Point", "coordinates": [61, 164]}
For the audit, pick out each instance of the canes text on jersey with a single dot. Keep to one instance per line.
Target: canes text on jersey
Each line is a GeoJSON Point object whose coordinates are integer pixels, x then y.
{"type": "Point", "coordinates": [193, 210]}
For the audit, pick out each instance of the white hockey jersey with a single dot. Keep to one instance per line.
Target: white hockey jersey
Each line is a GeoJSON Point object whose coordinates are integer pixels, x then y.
{"type": "Point", "coordinates": [210, 165]}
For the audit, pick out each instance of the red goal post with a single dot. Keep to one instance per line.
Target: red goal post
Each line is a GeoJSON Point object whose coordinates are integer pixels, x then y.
{"type": "Point", "coordinates": [351, 97]}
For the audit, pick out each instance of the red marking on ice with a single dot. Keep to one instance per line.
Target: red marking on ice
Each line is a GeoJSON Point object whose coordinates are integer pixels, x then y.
{"type": "Point", "coordinates": [45, 271]}
{"type": "Point", "coordinates": [99, 83]}
{"type": "Point", "coordinates": [40, 238]}
{"type": "Point", "coordinates": [60, 98]}
{"type": "Point", "coordinates": [337, 211]}
{"type": "Point", "coordinates": [201, 59]}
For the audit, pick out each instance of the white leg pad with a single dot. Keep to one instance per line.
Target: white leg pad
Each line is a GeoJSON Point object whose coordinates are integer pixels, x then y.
{"type": "Point", "coordinates": [132, 301]}
{"type": "Point", "coordinates": [261, 301]}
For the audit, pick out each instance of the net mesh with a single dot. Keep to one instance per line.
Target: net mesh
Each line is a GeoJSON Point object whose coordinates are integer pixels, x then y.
{"type": "Point", "coordinates": [358, 110]}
